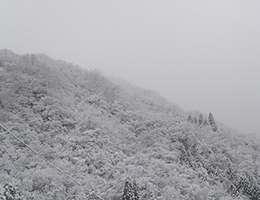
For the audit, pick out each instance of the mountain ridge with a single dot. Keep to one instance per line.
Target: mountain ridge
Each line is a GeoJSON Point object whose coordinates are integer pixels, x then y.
{"type": "Point", "coordinates": [103, 133]}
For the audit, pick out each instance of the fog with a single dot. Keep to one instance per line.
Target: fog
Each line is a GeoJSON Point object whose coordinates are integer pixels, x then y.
{"type": "Point", "coordinates": [203, 55]}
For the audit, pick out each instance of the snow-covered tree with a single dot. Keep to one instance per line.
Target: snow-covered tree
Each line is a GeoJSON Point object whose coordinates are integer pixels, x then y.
{"type": "Point", "coordinates": [131, 191]}
{"type": "Point", "coordinates": [190, 119]}
{"type": "Point", "coordinates": [195, 120]}
{"type": "Point", "coordinates": [135, 189]}
{"type": "Point", "coordinates": [11, 193]}
{"type": "Point", "coordinates": [212, 122]}
{"type": "Point", "coordinates": [128, 192]}
{"type": "Point", "coordinates": [200, 121]}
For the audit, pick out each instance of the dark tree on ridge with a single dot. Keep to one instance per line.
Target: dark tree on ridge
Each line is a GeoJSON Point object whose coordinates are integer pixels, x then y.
{"type": "Point", "coordinates": [212, 122]}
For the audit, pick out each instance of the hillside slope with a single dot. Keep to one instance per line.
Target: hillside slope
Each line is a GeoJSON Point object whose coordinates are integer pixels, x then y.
{"type": "Point", "coordinates": [95, 136]}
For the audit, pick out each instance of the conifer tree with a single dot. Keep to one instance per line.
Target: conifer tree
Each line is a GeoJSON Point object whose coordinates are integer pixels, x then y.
{"type": "Point", "coordinates": [190, 119]}
{"type": "Point", "coordinates": [131, 191]}
{"type": "Point", "coordinates": [212, 122]}
{"type": "Point", "coordinates": [211, 119]}
{"type": "Point", "coordinates": [128, 193]}
{"type": "Point", "coordinates": [195, 120]}
{"type": "Point", "coordinates": [200, 121]}
{"type": "Point", "coordinates": [135, 191]}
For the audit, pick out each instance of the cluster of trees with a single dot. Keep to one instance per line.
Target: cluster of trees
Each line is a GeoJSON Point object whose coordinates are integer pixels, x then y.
{"type": "Point", "coordinates": [201, 121]}
{"type": "Point", "coordinates": [100, 132]}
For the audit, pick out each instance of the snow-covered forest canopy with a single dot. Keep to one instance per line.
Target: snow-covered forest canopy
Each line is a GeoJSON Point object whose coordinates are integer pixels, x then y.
{"type": "Point", "coordinates": [72, 133]}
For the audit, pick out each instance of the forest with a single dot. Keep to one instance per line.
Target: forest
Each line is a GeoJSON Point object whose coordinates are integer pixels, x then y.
{"type": "Point", "coordinates": [71, 133]}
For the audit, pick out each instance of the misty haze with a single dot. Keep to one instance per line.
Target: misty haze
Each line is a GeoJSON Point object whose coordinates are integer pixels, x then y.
{"type": "Point", "coordinates": [129, 99]}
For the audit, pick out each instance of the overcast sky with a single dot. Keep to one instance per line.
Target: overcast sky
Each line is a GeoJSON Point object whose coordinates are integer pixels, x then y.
{"type": "Point", "coordinates": [203, 55]}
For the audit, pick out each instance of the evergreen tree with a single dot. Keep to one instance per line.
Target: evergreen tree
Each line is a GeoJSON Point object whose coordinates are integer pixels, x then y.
{"type": "Point", "coordinates": [211, 119]}
{"type": "Point", "coordinates": [135, 189]}
{"type": "Point", "coordinates": [212, 122]}
{"type": "Point", "coordinates": [128, 193]}
{"type": "Point", "coordinates": [190, 119]}
{"type": "Point", "coordinates": [195, 120]}
{"type": "Point", "coordinates": [131, 191]}
{"type": "Point", "coordinates": [200, 121]}
{"type": "Point", "coordinates": [215, 128]}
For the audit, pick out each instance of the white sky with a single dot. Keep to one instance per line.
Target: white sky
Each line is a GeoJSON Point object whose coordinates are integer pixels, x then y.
{"type": "Point", "coordinates": [204, 55]}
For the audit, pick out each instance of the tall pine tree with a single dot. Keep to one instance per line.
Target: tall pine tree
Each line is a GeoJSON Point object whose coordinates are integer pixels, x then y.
{"type": "Point", "coordinates": [135, 189]}
{"type": "Point", "coordinates": [200, 121]}
{"type": "Point", "coordinates": [128, 194]}
{"type": "Point", "coordinates": [131, 191]}
{"type": "Point", "coordinates": [212, 122]}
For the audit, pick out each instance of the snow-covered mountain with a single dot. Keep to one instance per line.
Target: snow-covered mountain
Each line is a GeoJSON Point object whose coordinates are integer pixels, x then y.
{"type": "Point", "coordinates": [72, 133]}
